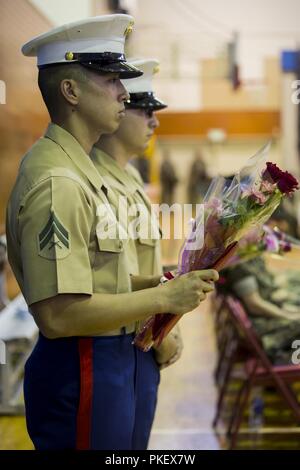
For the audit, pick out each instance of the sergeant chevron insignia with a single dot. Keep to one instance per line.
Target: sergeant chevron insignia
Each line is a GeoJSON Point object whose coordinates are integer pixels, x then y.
{"type": "Point", "coordinates": [54, 240]}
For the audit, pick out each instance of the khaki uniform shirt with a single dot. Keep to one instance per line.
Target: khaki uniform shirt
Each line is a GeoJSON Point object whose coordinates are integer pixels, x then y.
{"type": "Point", "coordinates": [55, 228]}
{"type": "Point", "coordinates": [126, 183]}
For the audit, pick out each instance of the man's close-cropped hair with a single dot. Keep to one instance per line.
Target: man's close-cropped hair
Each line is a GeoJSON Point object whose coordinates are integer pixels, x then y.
{"type": "Point", "coordinates": [49, 80]}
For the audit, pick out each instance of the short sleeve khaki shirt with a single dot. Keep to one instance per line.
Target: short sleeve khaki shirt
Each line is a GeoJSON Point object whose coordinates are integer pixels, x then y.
{"type": "Point", "coordinates": [55, 235]}
{"type": "Point", "coordinates": [126, 183]}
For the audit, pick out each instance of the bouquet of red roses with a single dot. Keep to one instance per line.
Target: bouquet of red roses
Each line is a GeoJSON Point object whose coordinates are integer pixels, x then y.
{"type": "Point", "coordinates": [229, 212]}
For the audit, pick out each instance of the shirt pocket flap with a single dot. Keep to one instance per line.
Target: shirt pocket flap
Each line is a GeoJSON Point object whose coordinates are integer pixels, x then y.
{"type": "Point", "coordinates": [147, 241]}
{"type": "Point", "coordinates": [112, 245]}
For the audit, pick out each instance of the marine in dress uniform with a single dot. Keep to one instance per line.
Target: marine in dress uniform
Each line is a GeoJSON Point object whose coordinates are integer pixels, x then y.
{"type": "Point", "coordinates": [127, 185]}
{"type": "Point", "coordinates": [122, 177]}
{"type": "Point", "coordinates": [81, 381]}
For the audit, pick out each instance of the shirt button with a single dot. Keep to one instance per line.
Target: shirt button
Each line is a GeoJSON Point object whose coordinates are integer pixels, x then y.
{"type": "Point", "coordinates": [120, 244]}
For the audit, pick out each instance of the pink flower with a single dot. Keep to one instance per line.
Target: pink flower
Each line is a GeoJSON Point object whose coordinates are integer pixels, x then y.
{"type": "Point", "coordinates": [257, 196]}
{"type": "Point", "coordinates": [271, 242]}
{"type": "Point", "coordinates": [215, 204]}
{"type": "Point", "coordinates": [267, 187]}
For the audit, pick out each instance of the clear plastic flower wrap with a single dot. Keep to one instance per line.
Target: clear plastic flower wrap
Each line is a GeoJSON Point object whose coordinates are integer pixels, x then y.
{"type": "Point", "coordinates": [231, 209]}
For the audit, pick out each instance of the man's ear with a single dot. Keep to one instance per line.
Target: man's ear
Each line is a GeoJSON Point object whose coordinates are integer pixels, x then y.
{"type": "Point", "coordinates": [70, 91]}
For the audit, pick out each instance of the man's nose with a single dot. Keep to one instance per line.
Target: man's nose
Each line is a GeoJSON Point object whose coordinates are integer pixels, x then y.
{"type": "Point", "coordinates": [153, 122]}
{"type": "Point", "coordinates": [123, 93]}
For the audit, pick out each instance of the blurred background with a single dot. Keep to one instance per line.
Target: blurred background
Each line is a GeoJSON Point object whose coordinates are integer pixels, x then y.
{"type": "Point", "coordinates": [227, 73]}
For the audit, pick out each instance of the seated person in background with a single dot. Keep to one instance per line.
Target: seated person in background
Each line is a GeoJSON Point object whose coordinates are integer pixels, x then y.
{"type": "Point", "coordinates": [288, 290]}
{"type": "Point", "coordinates": [255, 286]}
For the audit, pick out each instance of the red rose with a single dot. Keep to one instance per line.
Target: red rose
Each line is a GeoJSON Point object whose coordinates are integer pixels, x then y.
{"type": "Point", "coordinates": [287, 183]}
{"type": "Point", "coordinates": [272, 172]}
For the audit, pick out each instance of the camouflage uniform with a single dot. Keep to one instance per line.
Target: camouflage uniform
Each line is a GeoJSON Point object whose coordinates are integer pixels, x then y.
{"type": "Point", "coordinates": [277, 334]}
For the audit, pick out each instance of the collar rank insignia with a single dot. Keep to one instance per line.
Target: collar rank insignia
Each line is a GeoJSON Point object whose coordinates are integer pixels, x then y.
{"type": "Point", "coordinates": [54, 240]}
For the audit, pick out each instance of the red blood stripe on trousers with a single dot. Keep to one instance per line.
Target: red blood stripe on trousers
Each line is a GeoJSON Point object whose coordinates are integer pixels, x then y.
{"type": "Point", "coordinates": [84, 416]}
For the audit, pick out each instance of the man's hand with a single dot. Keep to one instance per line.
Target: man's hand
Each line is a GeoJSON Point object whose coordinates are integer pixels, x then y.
{"type": "Point", "coordinates": [61, 315]}
{"type": "Point", "coordinates": [183, 294]}
{"type": "Point", "coordinates": [169, 351]}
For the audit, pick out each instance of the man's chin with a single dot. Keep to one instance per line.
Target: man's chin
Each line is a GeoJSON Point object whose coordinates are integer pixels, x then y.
{"type": "Point", "coordinates": [138, 150]}
{"type": "Point", "coordinates": [143, 146]}
{"type": "Point", "coordinates": [112, 128]}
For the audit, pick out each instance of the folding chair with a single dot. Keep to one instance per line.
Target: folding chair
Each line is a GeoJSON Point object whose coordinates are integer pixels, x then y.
{"type": "Point", "coordinates": [259, 371]}
{"type": "Point", "coordinates": [221, 334]}
{"type": "Point", "coordinates": [231, 351]}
